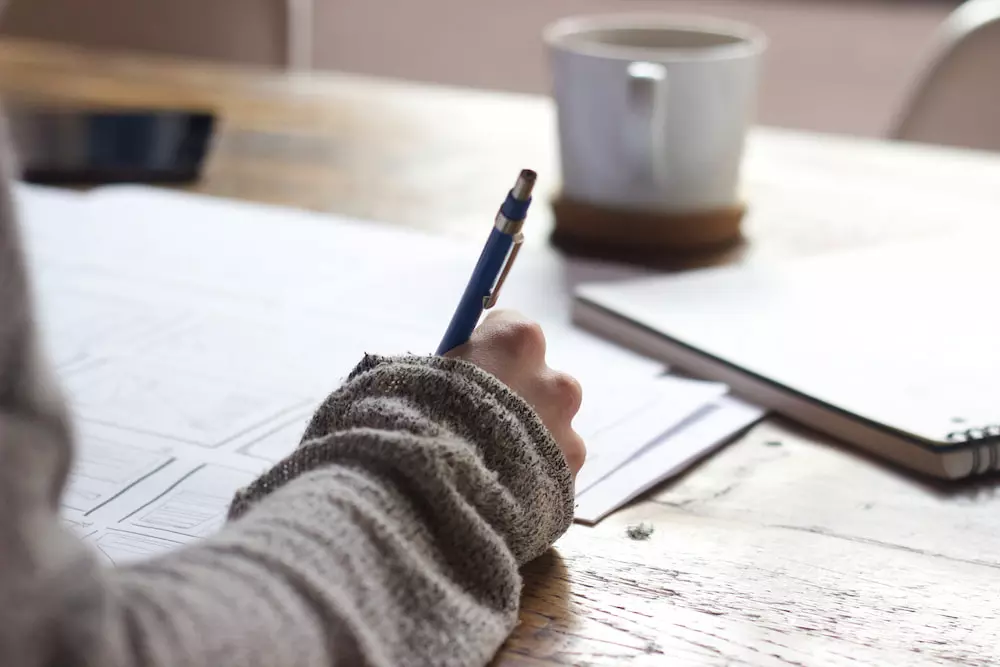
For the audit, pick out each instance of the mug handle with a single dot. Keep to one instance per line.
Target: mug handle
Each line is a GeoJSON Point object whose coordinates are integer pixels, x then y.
{"type": "Point", "coordinates": [646, 127]}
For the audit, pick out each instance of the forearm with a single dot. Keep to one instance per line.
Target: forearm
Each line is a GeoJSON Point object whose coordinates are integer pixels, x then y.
{"type": "Point", "coordinates": [321, 574]}
{"type": "Point", "coordinates": [391, 537]}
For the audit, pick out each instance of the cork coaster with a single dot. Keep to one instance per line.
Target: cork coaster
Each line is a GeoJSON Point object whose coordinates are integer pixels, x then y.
{"type": "Point", "coordinates": [619, 233]}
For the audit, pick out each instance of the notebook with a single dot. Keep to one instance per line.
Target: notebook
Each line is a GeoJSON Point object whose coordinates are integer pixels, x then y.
{"type": "Point", "coordinates": [894, 349]}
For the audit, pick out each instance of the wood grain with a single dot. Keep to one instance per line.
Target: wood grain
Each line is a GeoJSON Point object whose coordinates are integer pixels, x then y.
{"type": "Point", "coordinates": [803, 553]}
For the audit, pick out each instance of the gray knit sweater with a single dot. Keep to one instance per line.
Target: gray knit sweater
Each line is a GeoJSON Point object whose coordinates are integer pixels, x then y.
{"type": "Point", "coordinates": [392, 536]}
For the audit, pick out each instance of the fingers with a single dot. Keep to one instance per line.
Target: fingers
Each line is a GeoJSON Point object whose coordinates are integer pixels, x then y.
{"type": "Point", "coordinates": [504, 341]}
{"type": "Point", "coordinates": [574, 449]}
{"type": "Point", "coordinates": [521, 342]}
{"type": "Point", "coordinates": [513, 335]}
{"type": "Point", "coordinates": [512, 347]}
{"type": "Point", "coordinates": [561, 398]}
{"type": "Point", "coordinates": [564, 394]}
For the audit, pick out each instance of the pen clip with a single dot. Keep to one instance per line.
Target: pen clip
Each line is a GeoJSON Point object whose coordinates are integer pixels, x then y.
{"type": "Point", "coordinates": [490, 300]}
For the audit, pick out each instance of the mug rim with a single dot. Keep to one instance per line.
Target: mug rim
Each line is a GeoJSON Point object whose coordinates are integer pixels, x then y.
{"type": "Point", "coordinates": [749, 40]}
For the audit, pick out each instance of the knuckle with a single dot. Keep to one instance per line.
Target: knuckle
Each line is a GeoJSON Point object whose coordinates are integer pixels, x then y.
{"type": "Point", "coordinates": [568, 391]}
{"type": "Point", "coordinates": [525, 338]}
{"type": "Point", "coordinates": [575, 453]}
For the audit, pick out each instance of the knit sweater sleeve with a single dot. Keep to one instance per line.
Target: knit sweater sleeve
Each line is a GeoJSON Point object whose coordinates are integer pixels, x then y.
{"type": "Point", "coordinates": [391, 536]}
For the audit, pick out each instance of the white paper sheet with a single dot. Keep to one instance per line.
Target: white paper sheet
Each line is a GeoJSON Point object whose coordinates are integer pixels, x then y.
{"type": "Point", "coordinates": [104, 469]}
{"type": "Point", "coordinates": [624, 424]}
{"type": "Point", "coordinates": [673, 453]}
{"type": "Point", "coordinates": [195, 337]}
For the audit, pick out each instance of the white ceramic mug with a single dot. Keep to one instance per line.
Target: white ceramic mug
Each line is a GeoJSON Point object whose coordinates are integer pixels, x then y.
{"type": "Point", "coordinates": [653, 110]}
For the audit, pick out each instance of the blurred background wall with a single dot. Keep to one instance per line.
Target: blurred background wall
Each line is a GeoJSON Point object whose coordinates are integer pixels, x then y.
{"type": "Point", "coordinates": [834, 65]}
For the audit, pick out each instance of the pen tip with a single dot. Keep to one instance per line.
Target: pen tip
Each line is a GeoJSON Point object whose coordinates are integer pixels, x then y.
{"type": "Point", "coordinates": [525, 183]}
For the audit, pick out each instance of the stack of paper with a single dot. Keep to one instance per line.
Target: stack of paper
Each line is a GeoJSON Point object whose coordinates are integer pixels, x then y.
{"type": "Point", "coordinates": [674, 451]}
{"type": "Point", "coordinates": [195, 337]}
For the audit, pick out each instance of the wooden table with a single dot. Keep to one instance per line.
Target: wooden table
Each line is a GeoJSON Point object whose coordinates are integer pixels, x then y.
{"type": "Point", "coordinates": [803, 553]}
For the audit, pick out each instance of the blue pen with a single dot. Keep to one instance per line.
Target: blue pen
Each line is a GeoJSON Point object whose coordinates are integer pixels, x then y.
{"type": "Point", "coordinates": [494, 264]}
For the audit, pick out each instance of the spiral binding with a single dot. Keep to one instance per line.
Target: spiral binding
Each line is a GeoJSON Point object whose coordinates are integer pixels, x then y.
{"type": "Point", "coordinates": [977, 434]}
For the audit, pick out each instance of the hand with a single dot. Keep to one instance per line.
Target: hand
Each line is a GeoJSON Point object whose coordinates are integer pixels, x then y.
{"type": "Point", "coordinates": [512, 348]}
